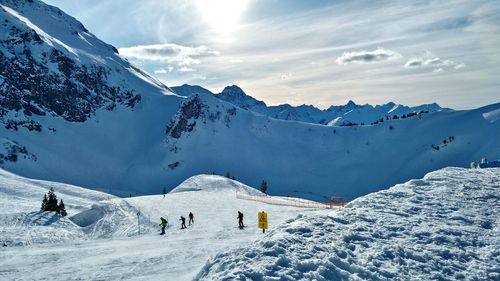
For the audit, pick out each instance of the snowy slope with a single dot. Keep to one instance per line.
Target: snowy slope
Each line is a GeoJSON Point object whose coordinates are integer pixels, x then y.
{"type": "Point", "coordinates": [71, 109]}
{"type": "Point", "coordinates": [209, 135]}
{"type": "Point", "coordinates": [442, 227]}
{"type": "Point", "coordinates": [351, 113]}
{"type": "Point", "coordinates": [21, 223]}
{"type": "Point", "coordinates": [178, 255]}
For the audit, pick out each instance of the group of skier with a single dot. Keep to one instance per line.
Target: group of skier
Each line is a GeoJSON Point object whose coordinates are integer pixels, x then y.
{"type": "Point", "coordinates": [183, 220]}
{"type": "Point", "coordinates": [164, 222]}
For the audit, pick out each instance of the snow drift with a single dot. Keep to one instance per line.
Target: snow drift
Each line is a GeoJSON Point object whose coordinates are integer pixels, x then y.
{"type": "Point", "coordinates": [214, 183]}
{"type": "Point", "coordinates": [444, 226]}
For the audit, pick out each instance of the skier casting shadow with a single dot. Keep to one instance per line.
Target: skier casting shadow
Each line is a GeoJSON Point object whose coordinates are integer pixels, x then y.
{"type": "Point", "coordinates": [163, 224]}
{"type": "Point", "coordinates": [191, 218]}
{"type": "Point", "coordinates": [240, 219]}
{"type": "Point", "coordinates": [183, 222]}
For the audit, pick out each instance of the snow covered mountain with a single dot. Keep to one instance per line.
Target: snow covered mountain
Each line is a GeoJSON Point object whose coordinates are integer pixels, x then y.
{"type": "Point", "coordinates": [51, 64]}
{"type": "Point", "coordinates": [187, 90]}
{"type": "Point", "coordinates": [336, 115]}
{"type": "Point", "coordinates": [74, 111]}
{"type": "Point", "coordinates": [71, 108]}
{"type": "Point", "coordinates": [442, 227]}
{"type": "Point", "coordinates": [211, 135]}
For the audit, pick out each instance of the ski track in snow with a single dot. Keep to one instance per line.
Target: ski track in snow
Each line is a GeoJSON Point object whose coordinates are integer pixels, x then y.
{"type": "Point", "coordinates": [56, 244]}
{"type": "Point", "coordinates": [442, 227]}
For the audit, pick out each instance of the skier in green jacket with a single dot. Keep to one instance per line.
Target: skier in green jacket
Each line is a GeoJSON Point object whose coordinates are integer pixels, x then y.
{"type": "Point", "coordinates": [163, 224]}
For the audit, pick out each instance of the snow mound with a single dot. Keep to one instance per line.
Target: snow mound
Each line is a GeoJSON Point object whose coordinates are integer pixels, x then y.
{"type": "Point", "coordinates": [442, 227]}
{"type": "Point", "coordinates": [492, 116]}
{"type": "Point", "coordinates": [115, 218]}
{"type": "Point", "coordinates": [91, 214]}
{"type": "Point", "coordinates": [214, 183]}
{"type": "Point", "coordinates": [23, 229]}
{"type": "Point", "coordinates": [20, 194]}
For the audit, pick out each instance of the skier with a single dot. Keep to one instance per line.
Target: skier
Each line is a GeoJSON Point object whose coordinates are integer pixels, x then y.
{"type": "Point", "coordinates": [240, 219]}
{"type": "Point", "coordinates": [191, 218]}
{"type": "Point", "coordinates": [183, 222]}
{"type": "Point", "coordinates": [163, 224]}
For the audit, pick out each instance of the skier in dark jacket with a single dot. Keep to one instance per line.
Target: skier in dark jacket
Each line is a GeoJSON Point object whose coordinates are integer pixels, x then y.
{"type": "Point", "coordinates": [191, 218]}
{"type": "Point", "coordinates": [183, 222]}
{"type": "Point", "coordinates": [240, 219]}
{"type": "Point", "coordinates": [163, 224]}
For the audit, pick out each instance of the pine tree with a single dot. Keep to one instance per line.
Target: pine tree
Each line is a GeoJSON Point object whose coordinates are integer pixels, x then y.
{"type": "Point", "coordinates": [228, 175]}
{"type": "Point", "coordinates": [263, 186]}
{"type": "Point", "coordinates": [61, 209]}
{"type": "Point", "coordinates": [44, 203]}
{"type": "Point", "coordinates": [52, 201]}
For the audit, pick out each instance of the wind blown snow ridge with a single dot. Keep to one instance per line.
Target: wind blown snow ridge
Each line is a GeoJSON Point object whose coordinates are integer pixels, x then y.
{"type": "Point", "coordinates": [444, 226]}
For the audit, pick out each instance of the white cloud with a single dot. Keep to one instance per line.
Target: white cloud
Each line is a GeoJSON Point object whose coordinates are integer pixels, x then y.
{"type": "Point", "coordinates": [186, 69]}
{"type": "Point", "coordinates": [164, 70]}
{"type": "Point", "coordinates": [199, 77]}
{"type": "Point", "coordinates": [432, 62]}
{"type": "Point", "coordinates": [286, 76]}
{"type": "Point", "coordinates": [169, 53]}
{"type": "Point", "coordinates": [236, 61]}
{"type": "Point", "coordinates": [362, 57]}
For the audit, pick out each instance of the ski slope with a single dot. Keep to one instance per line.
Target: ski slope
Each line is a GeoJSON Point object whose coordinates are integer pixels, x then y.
{"type": "Point", "coordinates": [98, 240]}
{"type": "Point", "coordinates": [442, 227]}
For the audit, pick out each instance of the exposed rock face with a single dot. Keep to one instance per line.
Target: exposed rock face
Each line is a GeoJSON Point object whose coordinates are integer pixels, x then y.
{"type": "Point", "coordinates": [198, 108]}
{"type": "Point", "coordinates": [36, 79]}
{"type": "Point", "coordinates": [13, 151]}
{"type": "Point", "coordinates": [185, 119]}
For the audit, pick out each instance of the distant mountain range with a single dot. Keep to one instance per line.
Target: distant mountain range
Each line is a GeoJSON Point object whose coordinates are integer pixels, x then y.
{"type": "Point", "coordinates": [73, 110]}
{"type": "Point", "coordinates": [336, 115]}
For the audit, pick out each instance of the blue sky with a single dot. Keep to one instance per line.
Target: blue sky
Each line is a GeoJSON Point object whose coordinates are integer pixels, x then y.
{"type": "Point", "coordinates": [311, 52]}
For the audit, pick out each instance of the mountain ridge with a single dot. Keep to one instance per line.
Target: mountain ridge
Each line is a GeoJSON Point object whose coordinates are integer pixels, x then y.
{"type": "Point", "coordinates": [351, 113]}
{"type": "Point", "coordinates": [295, 156]}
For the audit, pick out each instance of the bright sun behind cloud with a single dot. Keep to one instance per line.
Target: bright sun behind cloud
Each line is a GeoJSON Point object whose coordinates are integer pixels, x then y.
{"type": "Point", "coordinates": [222, 15]}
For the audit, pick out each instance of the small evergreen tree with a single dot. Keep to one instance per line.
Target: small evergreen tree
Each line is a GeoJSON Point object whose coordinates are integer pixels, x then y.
{"type": "Point", "coordinates": [61, 209]}
{"type": "Point", "coordinates": [228, 175]}
{"type": "Point", "coordinates": [49, 203]}
{"type": "Point", "coordinates": [164, 191]}
{"type": "Point", "coordinates": [263, 186]}
{"type": "Point", "coordinates": [44, 203]}
{"type": "Point", "coordinates": [52, 201]}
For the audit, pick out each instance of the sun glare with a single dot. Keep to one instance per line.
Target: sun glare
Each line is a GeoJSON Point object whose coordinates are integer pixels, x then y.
{"type": "Point", "coordinates": [222, 15]}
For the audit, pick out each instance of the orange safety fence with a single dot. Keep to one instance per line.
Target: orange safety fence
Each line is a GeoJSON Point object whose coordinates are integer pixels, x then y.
{"type": "Point", "coordinates": [284, 201]}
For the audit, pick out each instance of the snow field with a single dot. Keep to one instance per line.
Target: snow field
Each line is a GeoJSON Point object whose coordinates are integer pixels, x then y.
{"type": "Point", "coordinates": [442, 227]}
{"type": "Point", "coordinates": [178, 255]}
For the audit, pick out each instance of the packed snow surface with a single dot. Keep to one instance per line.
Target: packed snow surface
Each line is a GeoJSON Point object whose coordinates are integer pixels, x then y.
{"type": "Point", "coordinates": [442, 227]}
{"type": "Point", "coordinates": [41, 244]}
